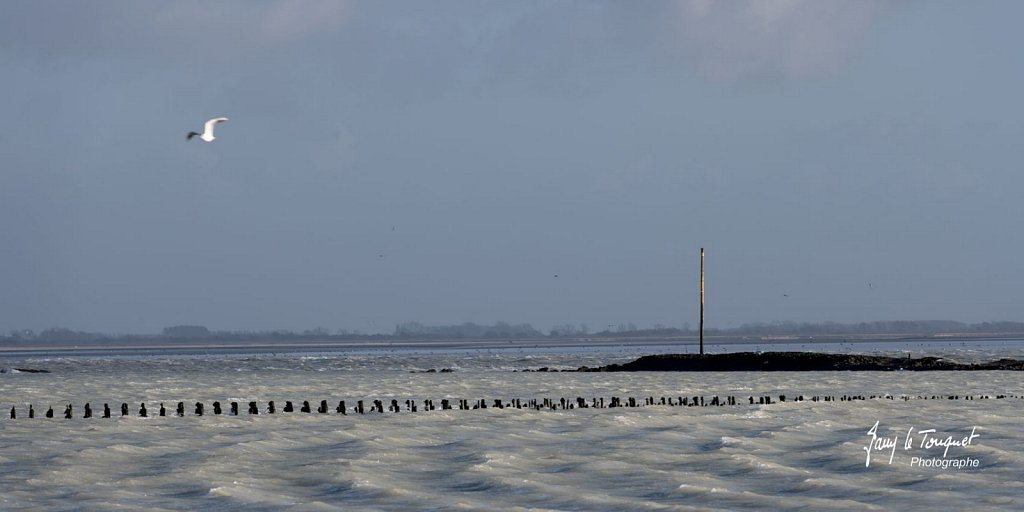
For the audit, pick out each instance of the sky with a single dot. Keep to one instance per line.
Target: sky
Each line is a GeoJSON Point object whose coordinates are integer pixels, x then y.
{"type": "Point", "coordinates": [530, 162]}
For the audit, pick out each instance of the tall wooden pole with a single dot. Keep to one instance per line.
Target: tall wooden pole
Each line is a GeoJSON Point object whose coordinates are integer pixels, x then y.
{"type": "Point", "coordinates": [701, 301]}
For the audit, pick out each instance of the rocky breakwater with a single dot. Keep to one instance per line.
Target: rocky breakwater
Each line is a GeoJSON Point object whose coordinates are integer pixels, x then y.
{"type": "Point", "coordinates": [795, 362]}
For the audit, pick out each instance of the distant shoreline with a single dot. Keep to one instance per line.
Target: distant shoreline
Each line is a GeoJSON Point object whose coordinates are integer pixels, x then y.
{"type": "Point", "coordinates": [807, 342]}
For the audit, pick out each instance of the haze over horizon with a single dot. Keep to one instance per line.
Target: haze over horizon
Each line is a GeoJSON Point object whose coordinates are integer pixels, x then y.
{"type": "Point", "coordinates": [508, 161]}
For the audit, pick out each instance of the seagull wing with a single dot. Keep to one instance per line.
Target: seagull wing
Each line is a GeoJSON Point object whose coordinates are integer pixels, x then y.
{"type": "Point", "coordinates": [208, 127]}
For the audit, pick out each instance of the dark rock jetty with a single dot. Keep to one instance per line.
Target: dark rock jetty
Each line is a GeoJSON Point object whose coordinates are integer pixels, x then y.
{"type": "Point", "coordinates": [794, 362]}
{"type": "Point", "coordinates": [22, 370]}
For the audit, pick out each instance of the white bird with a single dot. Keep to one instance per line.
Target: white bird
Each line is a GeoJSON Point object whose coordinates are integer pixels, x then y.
{"type": "Point", "coordinates": [207, 134]}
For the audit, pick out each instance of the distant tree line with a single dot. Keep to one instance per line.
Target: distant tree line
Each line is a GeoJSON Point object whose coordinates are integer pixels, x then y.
{"type": "Point", "coordinates": [468, 330]}
{"type": "Point", "coordinates": [884, 327]}
{"type": "Point", "coordinates": [502, 330]}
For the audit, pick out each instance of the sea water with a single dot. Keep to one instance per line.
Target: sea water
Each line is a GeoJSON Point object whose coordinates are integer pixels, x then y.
{"type": "Point", "coordinates": [810, 455]}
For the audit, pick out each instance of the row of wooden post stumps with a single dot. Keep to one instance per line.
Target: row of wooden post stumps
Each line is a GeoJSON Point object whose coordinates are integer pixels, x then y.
{"type": "Point", "coordinates": [378, 406]}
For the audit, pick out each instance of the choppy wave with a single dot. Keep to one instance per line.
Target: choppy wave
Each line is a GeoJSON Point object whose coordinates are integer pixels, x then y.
{"type": "Point", "coordinates": [787, 455]}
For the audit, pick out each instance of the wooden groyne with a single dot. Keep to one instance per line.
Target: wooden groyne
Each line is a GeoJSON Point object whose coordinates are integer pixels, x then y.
{"type": "Point", "coordinates": [394, 406]}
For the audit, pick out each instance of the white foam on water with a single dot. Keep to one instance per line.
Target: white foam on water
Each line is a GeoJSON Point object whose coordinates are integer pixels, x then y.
{"type": "Point", "coordinates": [785, 455]}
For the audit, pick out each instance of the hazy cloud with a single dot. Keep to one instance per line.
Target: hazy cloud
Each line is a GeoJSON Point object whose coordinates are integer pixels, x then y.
{"type": "Point", "coordinates": [199, 30]}
{"type": "Point", "coordinates": [756, 38]}
{"type": "Point", "coordinates": [258, 22]}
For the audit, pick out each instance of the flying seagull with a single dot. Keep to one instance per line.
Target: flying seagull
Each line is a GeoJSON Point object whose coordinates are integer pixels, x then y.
{"type": "Point", "coordinates": [207, 134]}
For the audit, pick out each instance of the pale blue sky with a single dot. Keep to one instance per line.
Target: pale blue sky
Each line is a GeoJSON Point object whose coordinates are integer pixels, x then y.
{"type": "Point", "coordinates": [441, 162]}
